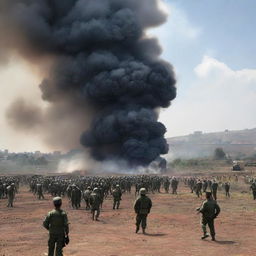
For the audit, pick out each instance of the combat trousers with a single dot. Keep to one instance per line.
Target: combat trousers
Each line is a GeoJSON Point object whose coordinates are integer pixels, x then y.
{"type": "Point", "coordinates": [58, 240]}
{"type": "Point", "coordinates": [210, 223]}
{"type": "Point", "coordinates": [116, 204]}
{"type": "Point", "coordinates": [214, 194]}
{"type": "Point", "coordinates": [97, 211]}
{"type": "Point", "coordinates": [141, 219]}
{"type": "Point", "coordinates": [254, 195]}
{"type": "Point", "coordinates": [87, 202]}
{"type": "Point", "coordinates": [10, 201]}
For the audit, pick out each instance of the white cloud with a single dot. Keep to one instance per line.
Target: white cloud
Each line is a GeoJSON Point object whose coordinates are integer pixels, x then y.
{"type": "Point", "coordinates": [219, 98]}
{"type": "Point", "coordinates": [177, 28]}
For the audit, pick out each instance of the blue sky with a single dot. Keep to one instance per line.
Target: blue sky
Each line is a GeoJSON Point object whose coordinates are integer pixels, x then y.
{"type": "Point", "coordinates": [213, 49]}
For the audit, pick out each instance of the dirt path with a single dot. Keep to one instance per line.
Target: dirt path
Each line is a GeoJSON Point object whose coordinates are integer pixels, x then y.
{"type": "Point", "coordinates": [173, 228]}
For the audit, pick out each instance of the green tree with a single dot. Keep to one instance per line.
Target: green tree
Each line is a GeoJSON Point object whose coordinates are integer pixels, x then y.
{"type": "Point", "coordinates": [219, 154]}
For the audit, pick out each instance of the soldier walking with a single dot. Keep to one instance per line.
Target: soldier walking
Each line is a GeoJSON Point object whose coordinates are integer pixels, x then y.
{"type": "Point", "coordinates": [56, 222]}
{"type": "Point", "coordinates": [214, 189]}
{"type": "Point", "coordinates": [227, 188]}
{"type": "Point", "coordinates": [39, 191]}
{"type": "Point", "coordinates": [142, 208]}
{"type": "Point", "coordinates": [117, 197]}
{"type": "Point", "coordinates": [253, 188]}
{"type": "Point", "coordinates": [86, 196]}
{"type": "Point", "coordinates": [10, 194]}
{"type": "Point", "coordinates": [210, 210]}
{"type": "Point", "coordinates": [95, 202]}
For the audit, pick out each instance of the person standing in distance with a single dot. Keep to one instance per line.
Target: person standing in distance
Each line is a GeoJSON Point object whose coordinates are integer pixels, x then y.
{"type": "Point", "coordinates": [56, 222]}
{"type": "Point", "coordinates": [210, 210]}
{"type": "Point", "coordinates": [142, 207]}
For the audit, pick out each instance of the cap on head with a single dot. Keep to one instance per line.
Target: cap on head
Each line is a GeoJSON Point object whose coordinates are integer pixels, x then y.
{"type": "Point", "coordinates": [143, 191]}
{"type": "Point", "coordinates": [95, 189]}
{"type": "Point", "coordinates": [57, 201]}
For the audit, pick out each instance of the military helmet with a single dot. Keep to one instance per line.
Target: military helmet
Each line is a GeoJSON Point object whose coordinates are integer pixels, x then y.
{"type": "Point", "coordinates": [95, 189]}
{"type": "Point", "coordinates": [57, 201]}
{"type": "Point", "coordinates": [143, 191]}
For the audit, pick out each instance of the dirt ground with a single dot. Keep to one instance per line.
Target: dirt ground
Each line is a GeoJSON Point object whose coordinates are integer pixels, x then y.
{"type": "Point", "coordinates": [173, 227]}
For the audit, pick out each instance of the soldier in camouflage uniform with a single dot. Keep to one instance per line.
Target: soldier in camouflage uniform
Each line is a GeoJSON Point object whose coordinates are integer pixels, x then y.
{"type": "Point", "coordinates": [86, 196]}
{"type": "Point", "coordinates": [174, 185]}
{"type": "Point", "coordinates": [56, 222]}
{"type": "Point", "coordinates": [142, 207]}
{"type": "Point", "coordinates": [253, 188]}
{"type": "Point", "coordinates": [214, 189]}
{"type": "Point", "coordinates": [227, 188]}
{"type": "Point", "coordinates": [95, 202]}
{"type": "Point", "coordinates": [117, 197]}
{"type": "Point", "coordinates": [39, 191]}
{"type": "Point", "coordinates": [10, 194]}
{"type": "Point", "coordinates": [210, 210]}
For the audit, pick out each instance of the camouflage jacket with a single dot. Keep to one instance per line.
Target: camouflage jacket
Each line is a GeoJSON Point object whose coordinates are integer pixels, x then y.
{"type": "Point", "coordinates": [210, 209]}
{"type": "Point", "coordinates": [143, 205]}
{"type": "Point", "coordinates": [56, 222]}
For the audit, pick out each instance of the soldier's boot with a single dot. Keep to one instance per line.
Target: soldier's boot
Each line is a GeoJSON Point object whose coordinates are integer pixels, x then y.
{"type": "Point", "coordinates": [93, 215]}
{"type": "Point", "coordinates": [204, 236]}
{"type": "Point", "coordinates": [137, 229]}
{"type": "Point", "coordinates": [118, 204]}
{"type": "Point", "coordinates": [144, 231]}
{"type": "Point", "coordinates": [213, 238]}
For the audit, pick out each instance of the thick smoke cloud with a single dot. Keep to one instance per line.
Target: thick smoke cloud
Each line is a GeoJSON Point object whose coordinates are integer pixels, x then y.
{"type": "Point", "coordinates": [103, 69]}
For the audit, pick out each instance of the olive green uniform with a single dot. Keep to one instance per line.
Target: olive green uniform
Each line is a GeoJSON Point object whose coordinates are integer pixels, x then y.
{"type": "Point", "coordinates": [10, 195]}
{"type": "Point", "coordinates": [56, 222]}
{"type": "Point", "coordinates": [95, 202]}
{"type": "Point", "coordinates": [117, 197]}
{"type": "Point", "coordinates": [142, 208]}
{"type": "Point", "coordinates": [210, 210]}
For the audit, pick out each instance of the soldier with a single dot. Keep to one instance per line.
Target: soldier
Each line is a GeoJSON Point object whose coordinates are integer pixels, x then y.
{"type": "Point", "coordinates": [142, 208]}
{"type": "Point", "coordinates": [56, 222]}
{"type": "Point", "coordinates": [174, 184]}
{"type": "Point", "coordinates": [1, 190]}
{"type": "Point", "coordinates": [214, 189]}
{"type": "Point", "coordinates": [198, 188]}
{"type": "Point", "coordinates": [39, 191]}
{"type": "Point", "coordinates": [253, 188]}
{"type": "Point", "coordinates": [10, 194]}
{"type": "Point", "coordinates": [76, 195]}
{"type": "Point", "coordinates": [227, 188]}
{"type": "Point", "coordinates": [166, 184]}
{"type": "Point", "coordinates": [210, 210]}
{"type": "Point", "coordinates": [95, 202]}
{"type": "Point", "coordinates": [205, 185]}
{"type": "Point", "coordinates": [117, 197]}
{"type": "Point", "coordinates": [86, 196]}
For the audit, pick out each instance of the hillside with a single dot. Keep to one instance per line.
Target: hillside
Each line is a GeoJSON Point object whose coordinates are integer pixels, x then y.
{"type": "Point", "coordinates": [237, 144]}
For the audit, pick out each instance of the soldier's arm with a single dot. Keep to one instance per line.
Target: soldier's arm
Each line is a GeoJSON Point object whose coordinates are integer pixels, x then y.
{"type": "Point", "coordinates": [202, 208]}
{"type": "Point", "coordinates": [66, 224]}
{"type": "Point", "coordinates": [46, 223]}
{"type": "Point", "coordinates": [137, 206]}
{"type": "Point", "coordinates": [217, 210]}
{"type": "Point", "coordinates": [150, 205]}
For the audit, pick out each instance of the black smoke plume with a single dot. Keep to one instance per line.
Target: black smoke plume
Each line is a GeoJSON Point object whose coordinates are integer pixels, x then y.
{"type": "Point", "coordinates": [103, 69]}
